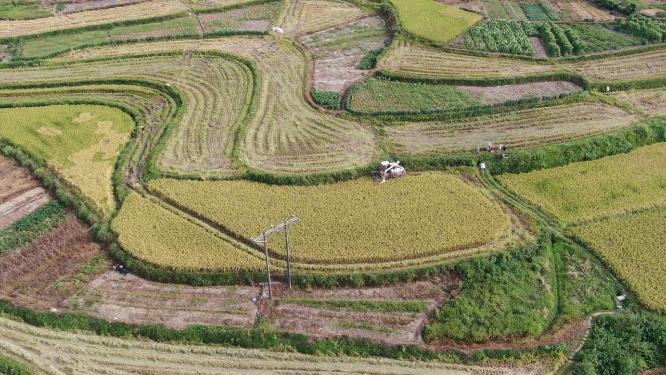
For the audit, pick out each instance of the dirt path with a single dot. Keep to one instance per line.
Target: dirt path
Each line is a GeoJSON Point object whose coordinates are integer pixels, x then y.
{"type": "Point", "coordinates": [22, 205]}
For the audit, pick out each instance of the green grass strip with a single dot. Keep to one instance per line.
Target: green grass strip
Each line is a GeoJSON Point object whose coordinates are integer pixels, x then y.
{"type": "Point", "coordinates": [9, 366]}
{"type": "Point", "coordinates": [360, 305]}
{"type": "Point", "coordinates": [29, 227]}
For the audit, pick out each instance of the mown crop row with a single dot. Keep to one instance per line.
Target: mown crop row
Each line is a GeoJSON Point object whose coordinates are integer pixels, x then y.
{"type": "Point", "coordinates": [589, 190]}
{"type": "Point", "coordinates": [350, 222]}
{"type": "Point", "coordinates": [633, 245]}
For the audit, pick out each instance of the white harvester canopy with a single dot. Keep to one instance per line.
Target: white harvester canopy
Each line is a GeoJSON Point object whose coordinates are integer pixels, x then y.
{"type": "Point", "coordinates": [388, 170]}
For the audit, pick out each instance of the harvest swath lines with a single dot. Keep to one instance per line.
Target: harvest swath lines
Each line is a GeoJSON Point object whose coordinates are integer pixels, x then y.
{"type": "Point", "coordinates": [515, 128]}
{"type": "Point", "coordinates": [634, 246]}
{"type": "Point", "coordinates": [216, 89]}
{"type": "Point", "coordinates": [154, 8]}
{"type": "Point", "coordinates": [306, 16]}
{"type": "Point", "coordinates": [285, 134]}
{"type": "Point", "coordinates": [43, 348]}
{"type": "Point", "coordinates": [409, 59]}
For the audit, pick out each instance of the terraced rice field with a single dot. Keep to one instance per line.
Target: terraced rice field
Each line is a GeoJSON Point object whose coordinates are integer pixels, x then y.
{"type": "Point", "coordinates": [633, 245]}
{"type": "Point", "coordinates": [583, 191]}
{"type": "Point", "coordinates": [307, 16]}
{"type": "Point", "coordinates": [45, 348]}
{"type": "Point", "coordinates": [418, 61]}
{"type": "Point", "coordinates": [414, 60]}
{"type": "Point", "coordinates": [174, 242]}
{"type": "Point", "coordinates": [652, 102]}
{"type": "Point", "coordinates": [80, 142]}
{"type": "Point", "coordinates": [433, 20]}
{"type": "Point", "coordinates": [252, 18]}
{"type": "Point", "coordinates": [515, 128]}
{"type": "Point", "coordinates": [285, 134]}
{"type": "Point", "coordinates": [155, 8]}
{"type": "Point", "coordinates": [407, 215]}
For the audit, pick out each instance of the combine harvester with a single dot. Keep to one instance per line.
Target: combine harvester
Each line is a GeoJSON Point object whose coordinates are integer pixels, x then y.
{"type": "Point", "coordinates": [388, 170]}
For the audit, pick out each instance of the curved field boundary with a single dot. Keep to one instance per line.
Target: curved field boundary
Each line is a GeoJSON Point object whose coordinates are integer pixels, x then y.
{"type": "Point", "coordinates": [150, 9]}
{"type": "Point", "coordinates": [416, 61]}
{"type": "Point", "coordinates": [38, 347]}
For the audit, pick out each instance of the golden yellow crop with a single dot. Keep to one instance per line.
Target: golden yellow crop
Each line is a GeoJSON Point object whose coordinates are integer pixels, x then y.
{"type": "Point", "coordinates": [159, 236]}
{"type": "Point", "coordinates": [633, 245]}
{"type": "Point", "coordinates": [355, 221]}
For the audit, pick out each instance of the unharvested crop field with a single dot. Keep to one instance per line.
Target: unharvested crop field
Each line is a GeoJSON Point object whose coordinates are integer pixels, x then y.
{"type": "Point", "coordinates": [357, 221]}
{"type": "Point", "coordinates": [14, 10]}
{"type": "Point", "coordinates": [634, 246]}
{"type": "Point", "coordinates": [81, 142]}
{"type": "Point", "coordinates": [588, 190]}
{"type": "Point", "coordinates": [174, 242]}
{"type": "Point", "coordinates": [515, 128]}
{"type": "Point", "coordinates": [433, 20]}
{"type": "Point", "coordinates": [46, 348]}
{"type": "Point", "coordinates": [150, 9]}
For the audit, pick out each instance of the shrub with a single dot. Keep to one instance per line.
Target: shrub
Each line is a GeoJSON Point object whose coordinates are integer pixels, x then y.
{"type": "Point", "coordinates": [328, 99]}
{"type": "Point", "coordinates": [369, 61]}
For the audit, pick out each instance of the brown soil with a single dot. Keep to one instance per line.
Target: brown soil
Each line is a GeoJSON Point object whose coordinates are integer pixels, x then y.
{"type": "Point", "coordinates": [74, 6]}
{"type": "Point", "coordinates": [539, 49]}
{"type": "Point", "coordinates": [568, 333]}
{"type": "Point", "coordinates": [500, 94]}
{"type": "Point", "coordinates": [22, 205]}
{"type": "Point", "coordinates": [29, 275]}
{"type": "Point", "coordinates": [577, 10]}
{"type": "Point", "coordinates": [131, 299]}
{"type": "Point", "coordinates": [384, 326]}
{"type": "Point", "coordinates": [476, 6]}
{"type": "Point", "coordinates": [335, 64]}
{"type": "Point", "coordinates": [14, 180]}
{"type": "Point", "coordinates": [5, 55]}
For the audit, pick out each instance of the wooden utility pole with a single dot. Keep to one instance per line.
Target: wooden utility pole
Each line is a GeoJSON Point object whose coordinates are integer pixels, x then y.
{"type": "Point", "coordinates": [286, 241]}
{"type": "Point", "coordinates": [263, 238]}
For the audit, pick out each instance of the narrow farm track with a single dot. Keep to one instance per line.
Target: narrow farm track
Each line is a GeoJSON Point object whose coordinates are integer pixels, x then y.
{"type": "Point", "coordinates": [54, 352]}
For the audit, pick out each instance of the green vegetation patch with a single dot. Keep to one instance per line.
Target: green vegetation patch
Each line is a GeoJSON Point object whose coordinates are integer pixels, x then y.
{"type": "Point", "coordinates": [29, 227]}
{"type": "Point", "coordinates": [376, 95]}
{"type": "Point", "coordinates": [624, 344]}
{"type": "Point", "coordinates": [369, 60]}
{"type": "Point", "coordinates": [506, 295]}
{"type": "Point", "coordinates": [645, 27]}
{"type": "Point", "coordinates": [81, 142]}
{"type": "Point", "coordinates": [539, 12]}
{"type": "Point", "coordinates": [433, 20]}
{"type": "Point", "coordinates": [328, 99]}
{"type": "Point", "coordinates": [360, 305]}
{"type": "Point", "coordinates": [22, 10]}
{"type": "Point", "coordinates": [585, 285]}
{"type": "Point", "coordinates": [587, 190]}
{"type": "Point", "coordinates": [505, 36]}
{"type": "Point", "coordinates": [10, 366]}
{"type": "Point", "coordinates": [600, 38]}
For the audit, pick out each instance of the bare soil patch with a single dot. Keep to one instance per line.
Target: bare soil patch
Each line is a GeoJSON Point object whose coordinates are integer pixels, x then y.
{"type": "Point", "coordinates": [586, 10]}
{"type": "Point", "coordinates": [393, 327]}
{"type": "Point", "coordinates": [5, 55]}
{"type": "Point", "coordinates": [500, 94]}
{"type": "Point", "coordinates": [29, 275]}
{"type": "Point", "coordinates": [338, 50]}
{"type": "Point", "coordinates": [83, 5]}
{"type": "Point", "coordinates": [539, 49]}
{"type": "Point", "coordinates": [14, 180]}
{"type": "Point", "coordinates": [22, 205]}
{"type": "Point", "coordinates": [130, 299]}
{"type": "Point", "coordinates": [476, 6]}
